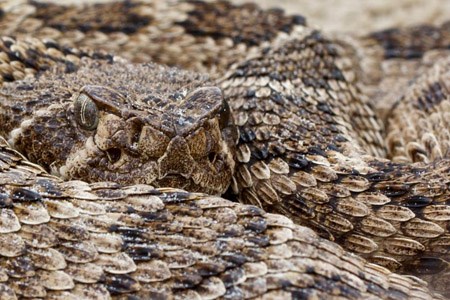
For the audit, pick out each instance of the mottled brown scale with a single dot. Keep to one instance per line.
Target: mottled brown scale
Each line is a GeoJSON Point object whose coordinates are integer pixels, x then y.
{"type": "Point", "coordinates": [391, 201]}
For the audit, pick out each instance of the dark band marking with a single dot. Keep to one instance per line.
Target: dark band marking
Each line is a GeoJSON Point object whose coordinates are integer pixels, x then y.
{"type": "Point", "coordinates": [103, 17]}
{"type": "Point", "coordinates": [430, 97]}
{"type": "Point", "coordinates": [246, 23]}
{"type": "Point", "coordinates": [413, 42]}
{"type": "Point", "coordinates": [25, 195]}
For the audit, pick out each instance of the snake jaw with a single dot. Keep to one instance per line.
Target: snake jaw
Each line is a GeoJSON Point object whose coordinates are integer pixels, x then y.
{"type": "Point", "coordinates": [199, 161]}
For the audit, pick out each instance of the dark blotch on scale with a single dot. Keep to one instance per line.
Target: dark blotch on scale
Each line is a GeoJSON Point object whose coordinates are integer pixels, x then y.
{"type": "Point", "coordinates": [143, 252]}
{"type": "Point", "coordinates": [336, 74]}
{"type": "Point", "coordinates": [333, 147]}
{"type": "Point", "coordinates": [256, 224]}
{"type": "Point", "coordinates": [346, 291]}
{"type": "Point", "coordinates": [52, 44]}
{"type": "Point", "coordinates": [70, 67]}
{"type": "Point", "coordinates": [376, 177]}
{"type": "Point", "coordinates": [5, 200]}
{"type": "Point", "coordinates": [325, 107]}
{"type": "Point", "coordinates": [109, 193]}
{"type": "Point", "coordinates": [25, 195]}
{"type": "Point", "coordinates": [426, 266]}
{"type": "Point", "coordinates": [251, 210]}
{"type": "Point", "coordinates": [121, 284]}
{"type": "Point", "coordinates": [396, 294]}
{"type": "Point", "coordinates": [128, 234]}
{"type": "Point", "coordinates": [338, 138]}
{"type": "Point", "coordinates": [260, 153]}
{"type": "Point", "coordinates": [250, 93]}
{"type": "Point", "coordinates": [209, 269]}
{"type": "Point", "coordinates": [231, 231]}
{"type": "Point", "coordinates": [277, 150]}
{"type": "Point", "coordinates": [25, 87]}
{"type": "Point", "coordinates": [174, 198]}
{"type": "Point", "coordinates": [232, 276]}
{"type": "Point", "coordinates": [431, 97]}
{"type": "Point", "coordinates": [48, 189]}
{"type": "Point", "coordinates": [19, 267]}
{"type": "Point", "coordinates": [417, 201]}
{"type": "Point", "coordinates": [297, 161]}
{"type": "Point", "coordinates": [304, 294]}
{"type": "Point", "coordinates": [234, 259]}
{"type": "Point", "coordinates": [247, 135]}
{"type": "Point", "coordinates": [277, 98]}
{"type": "Point", "coordinates": [299, 204]}
{"type": "Point", "coordinates": [160, 216]}
{"type": "Point", "coordinates": [395, 190]}
{"type": "Point", "coordinates": [233, 292]}
{"type": "Point", "coordinates": [299, 20]}
{"type": "Point", "coordinates": [315, 150]}
{"type": "Point", "coordinates": [260, 240]}
{"type": "Point", "coordinates": [375, 289]}
{"type": "Point", "coordinates": [187, 280]}
{"type": "Point", "coordinates": [8, 77]}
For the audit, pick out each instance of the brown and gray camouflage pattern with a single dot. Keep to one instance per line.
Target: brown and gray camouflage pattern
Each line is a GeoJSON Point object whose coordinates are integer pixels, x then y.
{"type": "Point", "coordinates": [310, 147]}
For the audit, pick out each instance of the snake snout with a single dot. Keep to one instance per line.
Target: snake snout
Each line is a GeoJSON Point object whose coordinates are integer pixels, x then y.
{"type": "Point", "coordinates": [177, 159]}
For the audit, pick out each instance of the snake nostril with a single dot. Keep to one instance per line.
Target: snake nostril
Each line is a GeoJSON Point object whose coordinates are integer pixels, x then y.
{"type": "Point", "coordinates": [113, 154]}
{"type": "Point", "coordinates": [212, 157]}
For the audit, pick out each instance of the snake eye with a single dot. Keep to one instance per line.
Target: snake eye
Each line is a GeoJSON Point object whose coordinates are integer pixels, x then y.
{"type": "Point", "coordinates": [86, 112]}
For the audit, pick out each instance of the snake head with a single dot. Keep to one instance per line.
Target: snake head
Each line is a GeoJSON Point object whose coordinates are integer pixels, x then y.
{"type": "Point", "coordinates": [129, 130]}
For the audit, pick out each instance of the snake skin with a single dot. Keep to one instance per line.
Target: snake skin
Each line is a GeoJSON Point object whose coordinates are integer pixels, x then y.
{"type": "Point", "coordinates": [310, 147]}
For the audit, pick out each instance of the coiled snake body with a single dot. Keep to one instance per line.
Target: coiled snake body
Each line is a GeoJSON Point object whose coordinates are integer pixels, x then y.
{"type": "Point", "coordinates": [285, 120]}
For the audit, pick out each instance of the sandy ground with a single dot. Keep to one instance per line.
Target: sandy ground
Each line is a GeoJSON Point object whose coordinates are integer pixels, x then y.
{"type": "Point", "coordinates": [357, 16]}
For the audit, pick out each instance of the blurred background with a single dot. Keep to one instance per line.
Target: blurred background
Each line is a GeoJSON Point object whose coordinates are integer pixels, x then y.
{"type": "Point", "coordinates": [359, 16]}
{"type": "Point", "coordinates": [362, 16]}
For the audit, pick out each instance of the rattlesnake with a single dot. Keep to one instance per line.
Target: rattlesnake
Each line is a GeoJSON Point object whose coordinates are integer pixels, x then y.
{"type": "Point", "coordinates": [309, 146]}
